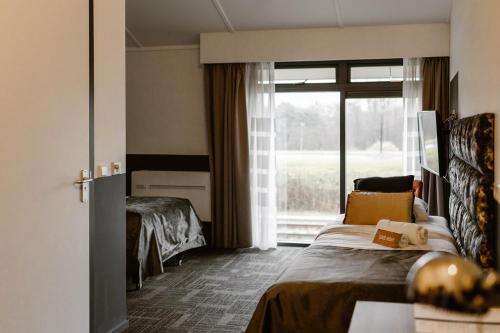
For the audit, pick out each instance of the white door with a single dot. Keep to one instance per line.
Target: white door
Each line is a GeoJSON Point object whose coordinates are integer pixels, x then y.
{"type": "Point", "coordinates": [44, 143]}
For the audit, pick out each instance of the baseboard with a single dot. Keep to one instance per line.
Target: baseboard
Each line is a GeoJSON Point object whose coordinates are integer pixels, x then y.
{"type": "Point", "coordinates": [120, 327]}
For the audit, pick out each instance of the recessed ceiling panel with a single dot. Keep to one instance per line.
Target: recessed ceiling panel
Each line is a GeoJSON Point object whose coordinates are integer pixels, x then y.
{"type": "Point", "coordinates": [375, 12]}
{"type": "Point", "coordinates": [279, 14]}
{"type": "Point", "coordinates": [170, 22]}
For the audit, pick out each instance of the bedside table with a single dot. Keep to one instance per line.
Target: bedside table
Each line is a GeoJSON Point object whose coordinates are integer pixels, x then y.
{"type": "Point", "coordinates": [382, 317]}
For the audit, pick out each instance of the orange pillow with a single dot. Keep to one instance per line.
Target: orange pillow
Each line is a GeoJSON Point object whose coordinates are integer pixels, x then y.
{"type": "Point", "coordinates": [370, 207]}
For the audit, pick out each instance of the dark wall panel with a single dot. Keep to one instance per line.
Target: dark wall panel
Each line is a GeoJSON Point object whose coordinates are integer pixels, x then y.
{"type": "Point", "coordinates": [109, 262]}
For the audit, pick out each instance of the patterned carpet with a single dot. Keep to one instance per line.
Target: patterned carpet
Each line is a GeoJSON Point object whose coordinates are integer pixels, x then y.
{"type": "Point", "coordinates": [209, 292]}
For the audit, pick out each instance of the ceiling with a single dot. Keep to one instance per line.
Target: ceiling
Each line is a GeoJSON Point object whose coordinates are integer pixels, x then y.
{"type": "Point", "coordinates": [179, 22]}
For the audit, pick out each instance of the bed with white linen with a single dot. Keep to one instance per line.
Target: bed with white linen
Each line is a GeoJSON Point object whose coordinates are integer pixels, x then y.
{"type": "Point", "coordinates": [320, 288]}
{"type": "Point", "coordinates": [361, 236]}
{"type": "Point", "coordinates": [317, 293]}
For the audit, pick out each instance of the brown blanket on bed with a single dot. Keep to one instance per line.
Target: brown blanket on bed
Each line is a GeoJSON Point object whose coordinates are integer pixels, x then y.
{"type": "Point", "coordinates": [317, 293]}
{"type": "Point", "coordinates": [158, 228]}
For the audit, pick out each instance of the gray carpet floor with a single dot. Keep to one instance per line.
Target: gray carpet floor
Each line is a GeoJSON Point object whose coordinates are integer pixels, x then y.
{"type": "Point", "coordinates": [212, 291]}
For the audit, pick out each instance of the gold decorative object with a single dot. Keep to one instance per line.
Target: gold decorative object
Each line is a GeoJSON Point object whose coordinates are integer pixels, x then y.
{"type": "Point", "coordinates": [452, 282]}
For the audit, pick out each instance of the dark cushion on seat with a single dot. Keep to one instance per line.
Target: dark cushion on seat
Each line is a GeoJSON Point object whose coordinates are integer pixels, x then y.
{"type": "Point", "coordinates": [384, 184]}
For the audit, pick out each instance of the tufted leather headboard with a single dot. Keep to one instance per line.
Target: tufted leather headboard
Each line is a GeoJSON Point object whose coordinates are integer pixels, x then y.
{"type": "Point", "coordinates": [470, 172]}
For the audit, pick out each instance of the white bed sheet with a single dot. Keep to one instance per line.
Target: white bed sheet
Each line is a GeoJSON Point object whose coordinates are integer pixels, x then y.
{"type": "Point", "coordinates": [361, 236]}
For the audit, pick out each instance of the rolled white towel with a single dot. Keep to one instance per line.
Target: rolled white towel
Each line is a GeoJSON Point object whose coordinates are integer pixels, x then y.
{"type": "Point", "coordinates": [416, 234]}
{"type": "Point", "coordinates": [404, 241]}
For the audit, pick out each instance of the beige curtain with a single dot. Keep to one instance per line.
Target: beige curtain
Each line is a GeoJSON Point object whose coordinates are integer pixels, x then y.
{"type": "Point", "coordinates": [229, 155]}
{"type": "Point", "coordinates": [436, 96]}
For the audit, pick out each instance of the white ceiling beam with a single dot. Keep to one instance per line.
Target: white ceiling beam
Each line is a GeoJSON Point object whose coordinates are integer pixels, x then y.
{"type": "Point", "coordinates": [133, 38]}
{"type": "Point", "coordinates": [223, 15]}
{"type": "Point", "coordinates": [163, 48]}
{"type": "Point", "coordinates": [338, 13]}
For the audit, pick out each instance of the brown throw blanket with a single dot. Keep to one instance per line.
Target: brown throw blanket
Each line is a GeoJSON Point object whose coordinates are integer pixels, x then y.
{"type": "Point", "coordinates": [317, 293]}
{"type": "Point", "coordinates": [158, 228]}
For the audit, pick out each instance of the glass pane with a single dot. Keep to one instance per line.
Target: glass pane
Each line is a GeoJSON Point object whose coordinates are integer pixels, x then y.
{"type": "Point", "coordinates": [307, 162]}
{"type": "Point", "coordinates": [374, 138]}
{"type": "Point", "coordinates": [377, 74]}
{"type": "Point", "coordinates": [304, 75]}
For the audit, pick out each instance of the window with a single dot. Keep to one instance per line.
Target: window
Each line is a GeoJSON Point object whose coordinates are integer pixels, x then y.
{"type": "Point", "coordinates": [335, 121]}
{"type": "Point", "coordinates": [377, 74]}
{"type": "Point", "coordinates": [307, 163]}
{"type": "Point", "coordinates": [304, 75]}
{"type": "Point", "coordinates": [374, 138]}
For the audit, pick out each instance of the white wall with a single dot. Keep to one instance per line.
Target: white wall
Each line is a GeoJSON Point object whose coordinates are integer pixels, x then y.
{"type": "Point", "coordinates": [475, 54]}
{"type": "Point", "coordinates": [109, 99]}
{"type": "Point", "coordinates": [165, 103]}
{"type": "Point", "coordinates": [364, 42]}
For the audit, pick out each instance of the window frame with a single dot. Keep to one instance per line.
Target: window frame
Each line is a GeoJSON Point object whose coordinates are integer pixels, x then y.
{"type": "Point", "coordinates": [348, 90]}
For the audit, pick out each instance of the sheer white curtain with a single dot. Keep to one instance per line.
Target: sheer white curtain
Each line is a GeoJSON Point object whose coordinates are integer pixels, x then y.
{"type": "Point", "coordinates": [259, 83]}
{"type": "Point", "coordinates": [412, 102]}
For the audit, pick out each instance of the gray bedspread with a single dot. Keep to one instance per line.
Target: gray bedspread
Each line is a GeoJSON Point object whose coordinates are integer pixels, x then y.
{"type": "Point", "coordinates": [317, 293]}
{"type": "Point", "coordinates": [158, 228]}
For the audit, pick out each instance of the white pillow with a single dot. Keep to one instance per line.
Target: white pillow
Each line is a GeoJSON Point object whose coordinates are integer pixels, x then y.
{"type": "Point", "coordinates": [420, 210]}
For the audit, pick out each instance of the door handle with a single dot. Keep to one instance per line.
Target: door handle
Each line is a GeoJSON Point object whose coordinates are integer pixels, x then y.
{"type": "Point", "coordinates": [84, 182]}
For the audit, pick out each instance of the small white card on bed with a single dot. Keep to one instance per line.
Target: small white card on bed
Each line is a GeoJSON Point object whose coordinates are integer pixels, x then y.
{"type": "Point", "coordinates": [431, 319]}
{"type": "Point", "coordinates": [387, 238]}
